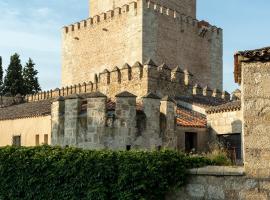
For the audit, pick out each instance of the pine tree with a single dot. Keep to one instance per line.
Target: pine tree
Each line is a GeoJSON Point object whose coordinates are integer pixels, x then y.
{"type": "Point", "coordinates": [13, 81]}
{"type": "Point", "coordinates": [1, 75]}
{"type": "Point", "coordinates": [30, 78]}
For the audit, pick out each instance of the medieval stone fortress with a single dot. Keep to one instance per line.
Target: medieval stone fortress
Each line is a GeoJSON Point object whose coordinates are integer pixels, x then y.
{"type": "Point", "coordinates": [147, 74]}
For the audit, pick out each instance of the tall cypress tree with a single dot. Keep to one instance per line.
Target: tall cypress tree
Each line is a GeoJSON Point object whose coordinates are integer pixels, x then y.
{"type": "Point", "coordinates": [1, 75]}
{"type": "Point", "coordinates": [30, 78]}
{"type": "Point", "coordinates": [13, 81]}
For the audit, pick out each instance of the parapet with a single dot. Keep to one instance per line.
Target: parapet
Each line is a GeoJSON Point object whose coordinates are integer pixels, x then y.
{"type": "Point", "coordinates": [202, 26]}
{"type": "Point", "coordinates": [139, 79]}
{"type": "Point", "coordinates": [102, 17]}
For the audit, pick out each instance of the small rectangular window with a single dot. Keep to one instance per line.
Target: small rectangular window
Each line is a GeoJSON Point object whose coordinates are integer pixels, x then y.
{"type": "Point", "coordinates": [128, 147]}
{"type": "Point", "coordinates": [37, 140]}
{"type": "Point", "coordinates": [46, 139]}
{"type": "Point", "coordinates": [16, 140]}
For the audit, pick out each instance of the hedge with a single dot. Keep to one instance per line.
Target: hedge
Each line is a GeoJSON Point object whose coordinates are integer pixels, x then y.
{"type": "Point", "coordinates": [68, 173]}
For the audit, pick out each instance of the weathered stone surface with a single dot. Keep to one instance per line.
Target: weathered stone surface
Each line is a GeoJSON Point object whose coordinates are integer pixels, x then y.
{"type": "Point", "coordinates": [138, 31]}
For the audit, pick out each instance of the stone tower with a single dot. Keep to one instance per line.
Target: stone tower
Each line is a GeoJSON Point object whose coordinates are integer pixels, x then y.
{"type": "Point", "coordinates": [126, 31]}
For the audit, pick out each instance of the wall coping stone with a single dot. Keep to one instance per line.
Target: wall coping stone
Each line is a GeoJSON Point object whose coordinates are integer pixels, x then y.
{"type": "Point", "coordinates": [151, 95]}
{"type": "Point", "coordinates": [218, 171]}
{"type": "Point", "coordinates": [126, 94]}
{"type": "Point", "coordinates": [96, 95]}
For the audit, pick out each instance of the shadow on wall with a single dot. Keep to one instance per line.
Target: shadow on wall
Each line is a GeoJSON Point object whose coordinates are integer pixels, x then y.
{"type": "Point", "coordinates": [236, 126]}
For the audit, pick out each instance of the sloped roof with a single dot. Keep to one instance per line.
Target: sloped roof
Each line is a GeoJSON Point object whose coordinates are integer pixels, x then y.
{"type": "Point", "coordinates": [189, 118]}
{"type": "Point", "coordinates": [202, 101]}
{"type": "Point", "coordinates": [26, 110]}
{"type": "Point", "coordinates": [227, 107]}
{"type": "Point", "coordinates": [262, 55]}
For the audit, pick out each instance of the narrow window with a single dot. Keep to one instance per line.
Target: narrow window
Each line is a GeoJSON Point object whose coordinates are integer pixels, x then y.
{"type": "Point", "coordinates": [46, 139]}
{"type": "Point", "coordinates": [16, 140]}
{"type": "Point", "coordinates": [37, 140]}
{"type": "Point", "coordinates": [128, 147]}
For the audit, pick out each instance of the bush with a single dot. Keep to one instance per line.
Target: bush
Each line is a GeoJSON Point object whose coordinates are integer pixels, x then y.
{"type": "Point", "coordinates": [56, 173]}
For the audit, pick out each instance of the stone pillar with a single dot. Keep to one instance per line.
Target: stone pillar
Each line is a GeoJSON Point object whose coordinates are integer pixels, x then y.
{"type": "Point", "coordinates": [168, 109]}
{"type": "Point", "coordinates": [125, 112]}
{"type": "Point", "coordinates": [96, 120]}
{"type": "Point", "coordinates": [72, 106]}
{"type": "Point", "coordinates": [57, 113]}
{"type": "Point", "coordinates": [152, 135]}
{"type": "Point", "coordinates": [256, 117]}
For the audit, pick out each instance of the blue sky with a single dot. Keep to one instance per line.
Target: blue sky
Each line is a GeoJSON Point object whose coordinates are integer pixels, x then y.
{"type": "Point", "coordinates": [32, 29]}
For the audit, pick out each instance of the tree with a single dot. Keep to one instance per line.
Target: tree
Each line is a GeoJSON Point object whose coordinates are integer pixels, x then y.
{"type": "Point", "coordinates": [13, 81]}
{"type": "Point", "coordinates": [1, 75]}
{"type": "Point", "coordinates": [31, 83]}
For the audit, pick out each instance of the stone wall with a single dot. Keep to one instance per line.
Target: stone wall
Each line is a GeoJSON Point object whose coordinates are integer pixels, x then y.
{"type": "Point", "coordinates": [220, 183]}
{"type": "Point", "coordinates": [96, 127]}
{"type": "Point", "coordinates": [138, 79]}
{"type": "Point", "coordinates": [256, 117]}
{"type": "Point", "coordinates": [187, 7]}
{"type": "Point", "coordinates": [179, 40]}
{"type": "Point", "coordinates": [225, 122]}
{"type": "Point", "coordinates": [27, 128]}
{"type": "Point", "coordinates": [103, 41]}
{"type": "Point", "coordinates": [202, 138]}
{"type": "Point", "coordinates": [139, 31]}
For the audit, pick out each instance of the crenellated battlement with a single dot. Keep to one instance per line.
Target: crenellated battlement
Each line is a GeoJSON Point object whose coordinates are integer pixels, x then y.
{"type": "Point", "coordinates": [132, 7]}
{"type": "Point", "coordinates": [108, 16]}
{"type": "Point", "coordinates": [122, 35]}
{"type": "Point", "coordinates": [202, 26]}
{"type": "Point", "coordinates": [139, 79]}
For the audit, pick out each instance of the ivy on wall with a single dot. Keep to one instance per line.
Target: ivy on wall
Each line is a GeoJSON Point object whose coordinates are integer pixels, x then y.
{"type": "Point", "coordinates": [56, 173]}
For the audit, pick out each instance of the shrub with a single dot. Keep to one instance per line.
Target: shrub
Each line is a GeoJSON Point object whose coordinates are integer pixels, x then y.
{"type": "Point", "coordinates": [56, 173]}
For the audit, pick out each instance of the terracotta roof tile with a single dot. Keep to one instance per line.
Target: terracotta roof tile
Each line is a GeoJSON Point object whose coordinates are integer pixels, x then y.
{"type": "Point", "coordinates": [189, 118]}
{"type": "Point", "coordinates": [262, 55]}
{"type": "Point", "coordinates": [26, 110]}
{"type": "Point", "coordinates": [202, 101]}
{"type": "Point", "coordinates": [227, 107]}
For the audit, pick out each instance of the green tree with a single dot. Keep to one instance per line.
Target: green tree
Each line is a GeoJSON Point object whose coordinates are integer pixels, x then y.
{"type": "Point", "coordinates": [30, 78]}
{"type": "Point", "coordinates": [1, 75]}
{"type": "Point", "coordinates": [13, 81]}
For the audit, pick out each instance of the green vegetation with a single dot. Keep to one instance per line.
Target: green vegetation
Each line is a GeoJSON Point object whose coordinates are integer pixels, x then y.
{"type": "Point", "coordinates": [30, 78]}
{"type": "Point", "coordinates": [19, 80]}
{"type": "Point", "coordinates": [68, 173]}
{"type": "Point", "coordinates": [1, 75]}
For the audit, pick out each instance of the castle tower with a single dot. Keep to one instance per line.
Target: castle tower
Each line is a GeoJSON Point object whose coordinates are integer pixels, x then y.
{"type": "Point", "coordinates": [126, 31]}
{"type": "Point", "coordinates": [187, 7]}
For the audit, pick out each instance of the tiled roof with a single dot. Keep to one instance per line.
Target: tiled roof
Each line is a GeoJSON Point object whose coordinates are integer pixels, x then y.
{"type": "Point", "coordinates": [262, 55]}
{"type": "Point", "coordinates": [189, 118]}
{"type": "Point", "coordinates": [26, 110]}
{"type": "Point", "coordinates": [202, 101]}
{"type": "Point", "coordinates": [227, 107]}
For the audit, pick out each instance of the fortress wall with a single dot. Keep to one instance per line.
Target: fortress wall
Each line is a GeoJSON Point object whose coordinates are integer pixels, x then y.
{"type": "Point", "coordinates": [107, 40]}
{"type": "Point", "coordinates": [137, 79]}
{"type": "Point", "coordinates": [187, 7]}
{"type": "Point", "coordinates": [180, 40]}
